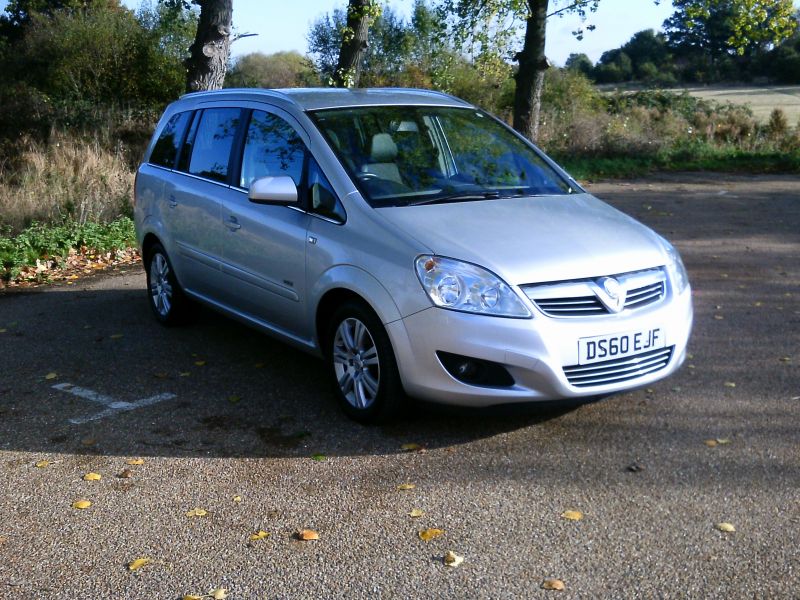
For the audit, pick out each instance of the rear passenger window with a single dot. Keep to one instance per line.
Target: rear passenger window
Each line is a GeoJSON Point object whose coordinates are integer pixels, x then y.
{"type": "Point", "coordinates": [166, 149]}
{"type": "Point", "coordinates": [212, 144]}
{"type": "Point", "coordinates": [272, 148]}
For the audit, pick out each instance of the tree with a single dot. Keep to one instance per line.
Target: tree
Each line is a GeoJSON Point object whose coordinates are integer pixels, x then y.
{"type": "Point", "coordinates": [278, 70]}
{"type": "Point", "coordinates": [730, 26]}
{"type": "Point", "coordinates": [481, 20]}
{"type": "Point", "coordinates": [360, 15]}
{"type": "Point", "coordinates": [210, 52]}
{"type": "Point", "coordinates": [580, 62]}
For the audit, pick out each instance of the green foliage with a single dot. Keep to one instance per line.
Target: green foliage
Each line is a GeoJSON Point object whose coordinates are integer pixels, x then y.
{"type": "Point", "coordinates": [278, 70]}
{"type": "Point", "coordinates": [41, 241]}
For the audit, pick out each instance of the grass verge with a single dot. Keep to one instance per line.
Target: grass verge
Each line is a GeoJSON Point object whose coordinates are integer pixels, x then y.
{"type": "Point", "coordinates": [733, 161]}
{"type": "Point", "coordinates": [40, 250]}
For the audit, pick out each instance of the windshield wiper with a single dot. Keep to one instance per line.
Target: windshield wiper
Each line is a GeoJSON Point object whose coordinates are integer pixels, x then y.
{"type": "Point", "coordinates": [459, 197]}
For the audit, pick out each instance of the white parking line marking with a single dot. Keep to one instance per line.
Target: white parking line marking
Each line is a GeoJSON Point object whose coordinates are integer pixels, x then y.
{"type": "Point", "coordinates": [112, 406]}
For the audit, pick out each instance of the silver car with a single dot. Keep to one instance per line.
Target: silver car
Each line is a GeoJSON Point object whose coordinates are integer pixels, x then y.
{"type": "Point", "coordinates": [418, 244]}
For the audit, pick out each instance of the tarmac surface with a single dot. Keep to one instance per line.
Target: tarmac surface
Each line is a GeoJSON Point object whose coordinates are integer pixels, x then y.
{"type": "Point", "coordinates": [229, 421]}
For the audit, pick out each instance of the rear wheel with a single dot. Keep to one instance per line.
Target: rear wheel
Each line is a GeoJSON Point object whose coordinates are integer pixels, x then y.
{"type": "Point", "coordinates": [166, 298]}
{"type": "Point", "coordinates": [362, 365]}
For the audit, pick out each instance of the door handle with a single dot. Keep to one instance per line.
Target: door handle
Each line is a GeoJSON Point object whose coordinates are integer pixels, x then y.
{"type": "Point", "coordinates": [232, 223]}
{"type": "Point", "coordinates": [173, 202]}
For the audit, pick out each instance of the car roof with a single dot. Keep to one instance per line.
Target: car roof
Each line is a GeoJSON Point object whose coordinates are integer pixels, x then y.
{"type": "Point", "coordinates": [319, 98]}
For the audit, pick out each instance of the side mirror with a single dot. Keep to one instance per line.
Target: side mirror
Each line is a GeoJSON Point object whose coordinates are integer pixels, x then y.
{"type": "Point", "coordinates": [273, 190]}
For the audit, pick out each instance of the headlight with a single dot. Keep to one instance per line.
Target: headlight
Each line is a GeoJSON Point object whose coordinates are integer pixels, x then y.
{"type": "Point", "coordinates": [466, 287]}
{"type": "Point", "coordinates": [676, 270]}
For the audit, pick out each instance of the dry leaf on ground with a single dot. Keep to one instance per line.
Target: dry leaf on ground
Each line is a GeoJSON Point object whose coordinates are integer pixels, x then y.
{"type": "Point", "coordinates": [572, 515]}
{"type": "Point", "coordinates": [307, 535]}
{"type": "Point", "coordinates": [81, 504]}
{"type": "Point", "coordinates": [451, 559]}
{"type": "Point", "coordinates": [416, 513]}
{"type": "Point", "coordinates": [92, 477]}
{"type": "Point", "coordinates": [410, 447]}
{"type": "Point", "coordinates": [197, 512]}
{"type": "Point", "coordinates": [116, 336]}
{"type": "Point", "coordinates": [406, 486]}
{"type": "Point", "coordinates": [135, 461]}
{"type": "Point", "coordinates": [51, 376]}
{"type": "Point", "coordinates": [237, 498]}
{"type": "Point", "coordinates": [218, 593]}
{"type": "Point", "coordinates": [711, 443]}
{"type": "Point", "coordinates": [553, 584]}
{"type": "Point", "coordinates": [730, 384]}
{"type": "Point", "coordinates": [426, 535]}
{"type": "Point", "coordinates": [319, 457]}
{"type": "Point", "coordinates": [138, 563]}
{"type": "Point", "coordinates": [259, 535]}
{"type": "Point", "coordinates": [42, 464]}
{"type": "Point", "coordinates": [200, 363]}
{"type": "Point", "coordinates": [192, 597]}
{"type": "Point", "coordinates": [125, 474]}
{"type": "Point", "coordinates": [726, 527]}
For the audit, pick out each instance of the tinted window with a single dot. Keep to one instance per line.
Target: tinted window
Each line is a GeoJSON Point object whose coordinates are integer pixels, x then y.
{"type": "Point", "coordinates": [213, 142]}
{"type": "Point", "coordinates": [272, 148]}
{"type": "Point", "coordinates": [322, 199]}
{"type": "Point", "coordinates": [166, 149]}
{"type": "Point", "coordinates": [186, 151]}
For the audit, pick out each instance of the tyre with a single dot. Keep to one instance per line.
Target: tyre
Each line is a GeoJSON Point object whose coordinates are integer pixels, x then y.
{"type": "Point", "coordinates": [363, 368]}
{"type": "Point", "coordinates": [164, 293]}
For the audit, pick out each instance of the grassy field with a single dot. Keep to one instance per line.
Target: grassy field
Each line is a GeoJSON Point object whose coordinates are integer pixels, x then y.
{"type": "Point", "coordinates": [762, 100]}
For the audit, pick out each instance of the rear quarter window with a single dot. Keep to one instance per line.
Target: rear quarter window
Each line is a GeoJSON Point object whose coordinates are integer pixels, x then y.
{"type": "Point", "coordinates": [165, 152]}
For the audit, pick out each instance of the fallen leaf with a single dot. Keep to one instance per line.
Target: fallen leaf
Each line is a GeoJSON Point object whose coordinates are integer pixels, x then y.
{"type": "Point", "coordinates": [730, 384]}
{"type": "Point", "coordinates": [199, 363]}
{"type": "Point", "coordinates": [406, 486]}
{"type": "Point", "coordinates": [410, 447]}
{"type": "Point", "coordinates": [135, 461]}
{"type": "Point", "coordinates": [218, 593]}
{"type": "Point", "coordinates": [319, 457]}
{"type": "Point", "coordinates": [416, 513]}
{"type": "Point", "coordinates": [785, 359]}
{"type": "Point", "coordinates": [125, 474]}
{"type": "Point", "coordinates": [87, 442]}
{"type": "Point", "coordinates": [553, 584]}
{"type": "Point", "coordinates": [184, 374]}
{"type": "Point", "coordinates": [725, 527]}
{"type": "Point", "coordinates": [572, 515]}
{"type": "Point", "coordinates": [197, 512]}
{"type": "Point", "coordinates": [52, 375]}
{"type": "Point", "coordinates": [260, 535]}
{"type": "Point", "coordinates": [635, 467]}
{"type": "Point", "coordinates": [234, 399]}
{"type": "Point", "coordinates": [426, 535]}
{"type": "Point", "coordinates": [237, 498]}
{"type": "Point", "coordinates": [138, 563]}
{"type": "Point", "coordinates": [722, 441]}
{"type": "Point", "coordinates": [81, 504]}
{"type": "Point", "coordinates": [192, 597]}
{"type": "Point", "coordinates": [711, 443]}
{"type": "Point", "coordinates": [92, 477]}
{"type": "Point", "coordinates": [758, 303]}
{"type": "Point", "coordinates": [116, 336]}
{"type": "Point", "coordinates": [719, 317]}
{"type": "Point", "coordinates": [307, 535]}
{"type": "Point", "coordinates": [3, 330]}
{"type": "Point", "coordinates": [42, 464]}
{"type": "Point", "coordinates": [451, 559]}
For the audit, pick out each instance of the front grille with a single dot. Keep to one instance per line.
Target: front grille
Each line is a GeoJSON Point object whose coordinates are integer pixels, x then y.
{"type": "Point", "coordinates": [579, 306]}
{"type": "Point", "coordinates": [579, 298]}
{"type": "Point", "coordinates": [618, 369]}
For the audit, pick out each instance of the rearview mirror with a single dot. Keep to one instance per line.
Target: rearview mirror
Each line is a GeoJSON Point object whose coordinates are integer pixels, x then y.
{"type": "Point", "coordinates": [273, 190]}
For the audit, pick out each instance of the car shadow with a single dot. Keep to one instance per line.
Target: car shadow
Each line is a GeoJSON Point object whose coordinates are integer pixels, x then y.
{"type": "Point", "coordinates": [232, 391]}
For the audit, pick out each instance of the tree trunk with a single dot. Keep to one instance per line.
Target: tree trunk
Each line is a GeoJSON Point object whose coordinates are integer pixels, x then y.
{"type": "Point", "coordinates": [209, 54]}
{"type": "Point", "coordinates": [354, 43]}
{"type": "Point", "coordinates": [530, 75]}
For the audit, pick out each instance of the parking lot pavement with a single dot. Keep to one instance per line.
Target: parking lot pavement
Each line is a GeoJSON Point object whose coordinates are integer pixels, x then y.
{"type": "Point", "coordinates": [244, 428]}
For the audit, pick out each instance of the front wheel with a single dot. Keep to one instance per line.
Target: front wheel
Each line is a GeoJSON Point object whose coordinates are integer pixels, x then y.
{"type": "Point", "coordinates": [164, 293]}
{"type": "Point", "coordinates": [362, 364]}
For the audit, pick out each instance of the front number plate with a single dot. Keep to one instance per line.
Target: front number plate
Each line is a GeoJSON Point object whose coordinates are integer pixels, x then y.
{"type": "Point", "coordinates": [619, 345]}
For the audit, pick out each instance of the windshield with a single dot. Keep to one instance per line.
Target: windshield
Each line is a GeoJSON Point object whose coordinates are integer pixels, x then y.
{"type": "Point", "coordinates": [407, 155]}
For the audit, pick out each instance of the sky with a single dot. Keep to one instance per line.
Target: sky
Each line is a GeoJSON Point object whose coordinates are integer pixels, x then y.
{"type": "Point", "coordinates": [283, 25]}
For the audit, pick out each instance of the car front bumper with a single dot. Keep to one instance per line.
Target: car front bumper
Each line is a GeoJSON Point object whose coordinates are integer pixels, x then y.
{"type": "Point", "coordinates": [533, 351]}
